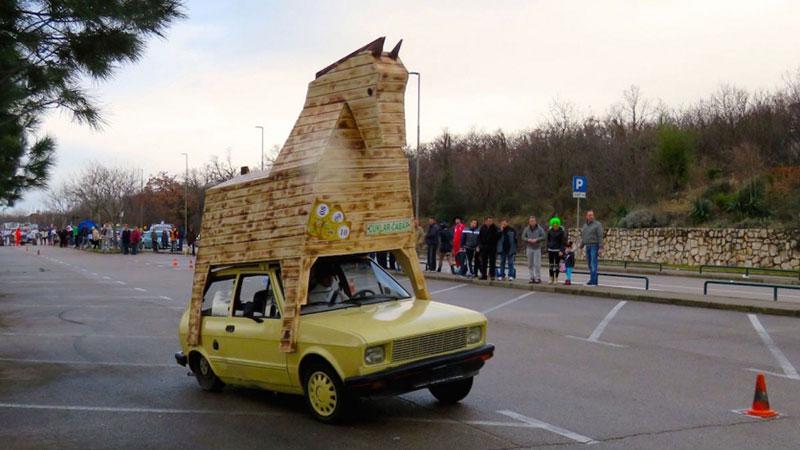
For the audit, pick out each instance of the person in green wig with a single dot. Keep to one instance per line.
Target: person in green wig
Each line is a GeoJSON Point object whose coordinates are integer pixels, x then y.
{"type": "Point", "coordinates": [556, 242]}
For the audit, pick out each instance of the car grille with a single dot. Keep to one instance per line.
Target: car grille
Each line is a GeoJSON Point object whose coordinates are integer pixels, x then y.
{"type": "Point", "coordinates": [429, 344]}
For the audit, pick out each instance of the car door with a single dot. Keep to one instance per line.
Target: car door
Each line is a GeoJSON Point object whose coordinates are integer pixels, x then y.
{"type": "Point", "coordinates": [215, 313]}
{"type": "Point", "coordinates": [252, 333]}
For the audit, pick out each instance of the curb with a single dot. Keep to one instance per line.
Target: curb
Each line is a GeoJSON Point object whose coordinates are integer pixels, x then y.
{"type": "Point", "coordinates": [666, 298]}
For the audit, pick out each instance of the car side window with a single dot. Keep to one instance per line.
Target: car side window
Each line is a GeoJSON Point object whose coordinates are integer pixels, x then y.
{"type": "Point", "coordinates": [218, 297]}
{"type": "Point", "coordinates": [256, 298]}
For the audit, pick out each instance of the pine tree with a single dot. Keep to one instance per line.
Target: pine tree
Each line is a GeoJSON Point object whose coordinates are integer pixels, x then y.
{"type": "Point", "coordinates": [47, 47]}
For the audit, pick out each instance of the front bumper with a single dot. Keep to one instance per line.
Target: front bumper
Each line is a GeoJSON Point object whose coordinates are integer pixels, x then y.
{"type": "Point", "coordinates": [421, 374]}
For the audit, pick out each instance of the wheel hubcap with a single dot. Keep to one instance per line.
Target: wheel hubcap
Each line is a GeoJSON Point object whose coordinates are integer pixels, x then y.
{"type": "Point", "coordinates": [203, 366]}
{"type": "Point", "coordinates": [322, 393]}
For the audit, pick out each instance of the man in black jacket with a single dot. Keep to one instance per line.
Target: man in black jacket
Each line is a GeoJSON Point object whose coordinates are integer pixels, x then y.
{"type": "Point", "coordinates": [126, 239]}
{"type": "Point", "coordinates": [432, 241]}
{"type": "Point", "coordinates": [488, 238]}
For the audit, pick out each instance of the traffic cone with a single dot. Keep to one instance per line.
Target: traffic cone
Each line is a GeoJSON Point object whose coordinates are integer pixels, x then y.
{"type": "Point", "coordinates": [760, 406]}
{"type": "Point", "coordinates": [174, 263]}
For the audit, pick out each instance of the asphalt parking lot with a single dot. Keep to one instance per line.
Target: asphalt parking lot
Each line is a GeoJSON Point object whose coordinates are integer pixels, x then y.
{"type": "Point", "coordinates": [86, 362]}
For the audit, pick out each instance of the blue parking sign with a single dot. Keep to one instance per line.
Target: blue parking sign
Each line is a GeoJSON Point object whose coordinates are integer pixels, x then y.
{"type": "Point", "coordinates": [578, 186]}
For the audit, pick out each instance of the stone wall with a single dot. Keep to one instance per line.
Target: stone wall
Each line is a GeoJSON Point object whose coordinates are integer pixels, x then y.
{"type": "Point", "coordinates": [779, 249]}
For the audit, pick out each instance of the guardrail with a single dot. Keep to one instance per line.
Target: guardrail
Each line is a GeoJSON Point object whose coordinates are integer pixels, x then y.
{"type": "Point", "coordinates": [747, 270]}
{"type": "Point", "coordinates": [619, 275]}
{"type": "Point", "coordinates": [774, 287]}
{"type": "Point", "coordinates": [625, 263]}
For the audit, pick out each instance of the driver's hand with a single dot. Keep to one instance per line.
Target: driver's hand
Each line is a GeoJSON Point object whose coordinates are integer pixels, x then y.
{"type": "Point", "coordinates": [352, 286]}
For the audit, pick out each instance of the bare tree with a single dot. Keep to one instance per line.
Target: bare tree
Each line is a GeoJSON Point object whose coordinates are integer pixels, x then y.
{"type": "Point", "coordinates": [103, 190]}
{"type": "Point", "coordinates": [217, 170]}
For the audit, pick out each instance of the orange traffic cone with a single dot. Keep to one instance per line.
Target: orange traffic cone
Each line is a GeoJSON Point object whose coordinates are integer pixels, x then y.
{"type": "Point", "coordinates": [174, 263]}
{"type": "Point", "coordinates": [761, 401]}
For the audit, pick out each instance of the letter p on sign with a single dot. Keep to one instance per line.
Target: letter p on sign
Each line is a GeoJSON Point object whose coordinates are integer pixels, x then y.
{"type": "Point", "coordinates": [578, 187]}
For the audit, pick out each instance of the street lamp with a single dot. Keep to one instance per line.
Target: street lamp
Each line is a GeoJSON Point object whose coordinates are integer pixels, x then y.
{"type": "Point", "coordinates": [416, 176]}
{"type": "Point", "coordinates": [186, 198]}
{"type": "Point", "coordinates": [262, 146]}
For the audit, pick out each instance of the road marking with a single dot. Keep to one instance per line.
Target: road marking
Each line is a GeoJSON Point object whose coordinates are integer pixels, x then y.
{"type": "Point", "coordinates": [774, 374]}
{"type": "Point", "coordinates": [506, 303]}
{"type": "Point", "coordinates": [610, 344]}
{"type": "Point", "coordinates": [603, 323]}
{"type": "Point", "coordinates": [84, 363]}
{"type": "Point", "coordinates": [122, 283]}
{"type": "Point", "coordinates": [94, 273]}
{"type": "Point", "coordinates": [106, 278]}
{"type": "Point", "coordinates": [787, 367]}
{"type": "Point", "coordinates": [458, 286]}
{"type": "Point", "coordinates": [549, 427]}
{"type": "Point", "coordinates": [140, 289]}
{"type": "Point", "coordinates": [164, 297]}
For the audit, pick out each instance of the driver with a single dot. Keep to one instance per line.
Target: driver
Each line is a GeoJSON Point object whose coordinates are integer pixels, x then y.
{"type": "Point", "coordinates": [324, 286]}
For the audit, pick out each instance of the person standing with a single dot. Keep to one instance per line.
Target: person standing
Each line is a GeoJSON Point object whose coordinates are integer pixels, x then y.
{"type": "Point", "coordinates": [458, 228]}
{"type": "Point", "coordinates": [488, 238]}
{"type": "Point", "coordinates": [164, 239]}
{"type": "Point", "coordinates": [190, 239]}
{"type": "Point", "coordinates": [556, 242]}
{"type": "Point", "coordinates": [135, 239]}
{"type": "Point", "coordinates": [154, 239]}
{"type": "Point", "coordinates": [592, 243]}
{"type": "Point", "coordinates": [445, 247]}
{"type": "Point", "coordinates": [126, 239]}
{"type": "Point", "coordinates": [569, 263]}
{"type": "Point", "coordinates": [533, 236]}
{"type": "Point", "coordinates": [507, 248]}
{"type": "Point", "coordinates": [432, 241]}
{"type": "Point", "coordinates": [469, 243]}
{"type": "Point", "coordinates": [18, 237]}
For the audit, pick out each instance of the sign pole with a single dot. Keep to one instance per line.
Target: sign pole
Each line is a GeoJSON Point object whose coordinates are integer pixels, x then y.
{"type": "Point", "coordinates": [578, 217]}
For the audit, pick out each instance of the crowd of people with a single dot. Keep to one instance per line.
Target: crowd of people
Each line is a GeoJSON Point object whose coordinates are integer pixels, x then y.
{"type": "Point", "coordinates": [129, 240]}
{"type": "Point", "coordinates": [473, 250]}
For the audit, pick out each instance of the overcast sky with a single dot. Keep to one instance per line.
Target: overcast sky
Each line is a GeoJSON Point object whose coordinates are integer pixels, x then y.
{"type": "Point", "coordinates": [233, 65]}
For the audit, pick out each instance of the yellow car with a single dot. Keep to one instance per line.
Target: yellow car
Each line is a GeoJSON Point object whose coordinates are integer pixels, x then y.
{"type": "Point", "coordinates": [361, 334]}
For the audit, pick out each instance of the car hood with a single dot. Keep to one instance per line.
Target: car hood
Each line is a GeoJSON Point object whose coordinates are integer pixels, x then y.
{"type": "Point", "coordinates": [382, 322]}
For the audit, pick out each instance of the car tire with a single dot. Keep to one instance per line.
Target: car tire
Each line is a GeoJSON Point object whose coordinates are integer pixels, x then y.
{"type": "Point", "coordinates": [205, 375]}
{"type": "Point", "coordinates": [452, 392]}
{"type": "Point", "coordinates": [326, 397]}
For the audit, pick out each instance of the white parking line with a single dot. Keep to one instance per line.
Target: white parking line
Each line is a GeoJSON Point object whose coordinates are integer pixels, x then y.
{"type": "Point", "coordinates": [604, 323]}
{"type": "Point", "coordinates": [506, 303]}
{"type": "Point", "coordinates": [549, 427]}
{"type": "Point", "coordinates": [122, 283]}
{"type": "Point", "coordinates": [788, 369]}
{"type": "Point", "coordinates": [458, 286]}
{"type": "Point", "coordinates": [139, 289]}
{"type": "Point", "coordinates": [595, 336]}
{"type": "Point", "coordinates": [84, 363]}
{"type": "Point", "coordinates": [106, 278]}
{"type": "Point", "coordinates": [164, 297]}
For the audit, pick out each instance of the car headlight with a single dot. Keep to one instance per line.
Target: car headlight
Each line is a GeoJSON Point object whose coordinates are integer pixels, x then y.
{"type": "Point", "coordinates": [374, 355]}
{"type": "Point", "coordinates": [474, 335]}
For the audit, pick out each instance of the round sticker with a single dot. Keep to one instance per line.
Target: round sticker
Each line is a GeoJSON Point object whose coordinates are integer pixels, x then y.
{"type": "Point", "coordinates": [322, 210]}
{"type": "Point", "coordinates": [338, 216]}
{"type": "Point", "coordinates": [344, 232]}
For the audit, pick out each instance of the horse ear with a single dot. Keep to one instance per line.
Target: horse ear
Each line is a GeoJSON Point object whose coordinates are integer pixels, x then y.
{"type": "Point", "coordinates": [396, 50]}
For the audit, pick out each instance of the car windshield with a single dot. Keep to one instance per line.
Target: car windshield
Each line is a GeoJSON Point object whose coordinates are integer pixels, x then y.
{"type": "Point", "coordinates": [337, 282]}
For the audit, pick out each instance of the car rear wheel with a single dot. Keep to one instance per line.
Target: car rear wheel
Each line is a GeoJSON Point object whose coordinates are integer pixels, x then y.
{"type": "Point", "coordinates": [325, 394]}
{"type": "Point", "coordinates": [205, 375]}
{"type": "Point", "coordinates": [452, 392]}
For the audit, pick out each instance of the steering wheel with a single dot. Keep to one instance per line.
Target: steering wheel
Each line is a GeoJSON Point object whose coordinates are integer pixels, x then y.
{"type": "Point", "coordinates": [363, 291]}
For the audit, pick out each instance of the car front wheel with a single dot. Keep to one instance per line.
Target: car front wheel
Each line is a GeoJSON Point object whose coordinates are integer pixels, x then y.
{"type": "Point", "coordinates": [452, 392]}
{"type": "Point", "coordinates": [325, 394]}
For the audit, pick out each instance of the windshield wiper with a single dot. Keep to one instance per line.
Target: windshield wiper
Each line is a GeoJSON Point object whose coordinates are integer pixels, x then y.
{"type": "Point", "coordinates": [363, 299]}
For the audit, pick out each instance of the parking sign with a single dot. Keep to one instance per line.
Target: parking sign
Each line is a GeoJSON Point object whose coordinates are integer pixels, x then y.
{"type": "Point", "coordinates": [578, 186]}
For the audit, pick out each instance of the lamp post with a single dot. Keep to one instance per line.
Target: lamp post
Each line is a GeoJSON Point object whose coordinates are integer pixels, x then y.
{"type": "Point", "coordinates": [416, 168]}
{"type": "Point", "coordinates": [186, 197]}
{"type": "Point", "coordinates": [262, 146]}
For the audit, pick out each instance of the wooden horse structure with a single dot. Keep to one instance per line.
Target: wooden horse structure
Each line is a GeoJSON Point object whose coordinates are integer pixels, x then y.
{"type": "Point", "coordinates": [340, 185]}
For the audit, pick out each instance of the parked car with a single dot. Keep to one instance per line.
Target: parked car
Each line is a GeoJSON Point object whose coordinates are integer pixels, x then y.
{"type": "Point", "coordinates": [363, 335]}
{"type": "Point", "coordinates": [158, 227]}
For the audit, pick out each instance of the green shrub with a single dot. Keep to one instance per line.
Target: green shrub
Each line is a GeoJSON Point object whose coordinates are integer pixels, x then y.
{"type": "Point", "coordinates": [717, 187]}
{"type": "Point", "coordinates": [750, 199]}
{"type": "Point", "coordinates": [674, 154]}
{"type": "Point", "coordinates": [701, 210]}
{"type": "Point", "coordinates": [724, 202]}
{"type": "Point", "coordinates": [713, 173]}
